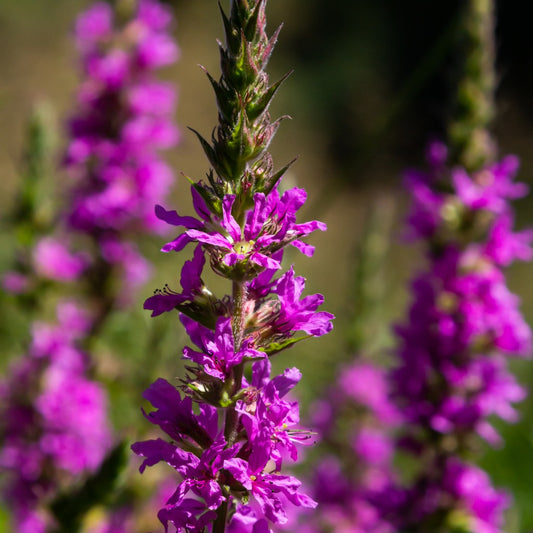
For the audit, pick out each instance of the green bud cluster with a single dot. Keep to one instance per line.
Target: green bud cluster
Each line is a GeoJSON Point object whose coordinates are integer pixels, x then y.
{"type": "Point", "coordinates": [238, 153]}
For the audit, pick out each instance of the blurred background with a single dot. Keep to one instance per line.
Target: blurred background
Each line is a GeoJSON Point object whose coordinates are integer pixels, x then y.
{"type": "Point", "coordinates": [372, 82]}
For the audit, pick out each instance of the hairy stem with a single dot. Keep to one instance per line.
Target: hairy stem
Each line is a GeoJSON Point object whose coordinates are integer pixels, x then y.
{"type": "Point", "coordinates": [240, 294]}
{"type": "Point", "coordinates": [239, 302]}
{"type": "Point", "coordinates": [232, 418]}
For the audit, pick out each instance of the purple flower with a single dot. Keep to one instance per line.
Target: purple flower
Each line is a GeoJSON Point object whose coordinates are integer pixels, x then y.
{"type": "Point", "coordinates": [175, 415]}
{"type": "Point", "coordinates": [191, 516]}
{"type": "Point", "coordinates": [373, 446]}
{"type": "Point", "coordinates": [503, 246]}
{"type": "Point", "coordinates": [218, 355]}
{"type": "Point", "coordinates": [366, 384]}
{"type": "Point", "coordinates": [268, 227]}
{"type": "Point", "coordinates": [225, 449]}
{"type": "Point", "coordinates": [53, 418]}
{"type": "Point", "coordinates": [425, 215]}
{"type": "Point", "coordinates": [191, 283]}
{"type": "Point", "coordinates": [356, 421]}
{"type": "Point", "coordinates": [489, 188]}
{"type": "Point", "coordinates": [94, 25]}
{"type": "Point", "coordinates": [74, 410]}
{"type": "Point", "coordinates": [483, 505]}
{"type": "Point", "coordinates": [268, 418]}
{"type": "Point", "coordinates": [15, 282]}
{"type": "Point", "coordinates": [54, 260]}
{"type": "Point", "coordinates": [293, 314]}
{"type": "Point", "coordinates": [265, 487]}
{"type": "Point", "coordinates": [123, 121]}
{"type": "Point", "coordinates": [199, 474]}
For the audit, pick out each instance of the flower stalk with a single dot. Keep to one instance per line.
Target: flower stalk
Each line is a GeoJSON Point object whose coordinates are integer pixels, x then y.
{"type": "Point", "coordinates": [244, 425]}
{"type": "Point", "coordinates": [470, 141]}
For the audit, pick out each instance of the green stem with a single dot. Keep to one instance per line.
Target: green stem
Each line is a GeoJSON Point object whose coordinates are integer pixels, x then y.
{"type": "Point", "coordinates": [239, 301]}
{"type": "Point", "coordinates": [219, 526]}
{"type": "Point", "coordinates": [240, 294]}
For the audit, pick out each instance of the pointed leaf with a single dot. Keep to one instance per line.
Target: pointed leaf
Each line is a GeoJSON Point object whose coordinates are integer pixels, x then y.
{"type": "Point", "coordinates": [232, 38]}
{"type": "Point", "coordinates": [251, 26]}
{"type": "Point", "coordinates": [277, 176]}
{"type": "Point", "coordinates": [239, 10]}
{"type": "Point", "coordinates": [211, 155]}
{"type": "Point", "coordinates": [259, 106]}
{"type": "Point", "coordinates": [267, 52]}
{"type": "Point", "coordinates": [240, 142]}
{"type": "Point", "coordinates": [225, 100]}
{"type": "Point", "coordinates": [249, 66]}
{"type": "Point", "coordinates": [276, 347]}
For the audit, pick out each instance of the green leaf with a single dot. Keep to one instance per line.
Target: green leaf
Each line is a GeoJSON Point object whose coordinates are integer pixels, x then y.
{"type": "Point", "coordinates": [251, 26]}
{"type": "Point", "coordinates": [208, 149]}
{"type": "Point", "coordinates": [277, 176]}
{"type": "Point", "coordinates": [240, 142]}
{"type": "Point", "coordinates": [256, 108]}
{"type": "Point", "coordinates": [239, 11]}
{"type": "Point", "coordinates": [213, 157]}
{"type": "Point", "coordinates": [225, 99]}
{"type": "Point", "coordinates": [276, 347]}
{"type": "Point", "coordinates": [250, 70]}
{"type": "Point", "coordinates": [232, 36]}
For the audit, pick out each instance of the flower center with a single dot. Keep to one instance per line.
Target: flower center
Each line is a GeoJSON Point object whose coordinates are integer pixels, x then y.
{"type": "Point", "coordinates": [243, 247]}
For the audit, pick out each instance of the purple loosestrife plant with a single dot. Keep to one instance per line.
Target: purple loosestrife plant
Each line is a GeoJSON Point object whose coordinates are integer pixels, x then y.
{"type": "Point", "coordinates": [464, 324]}
{"type": "Point", "coordinates": [231, 424]}
{"type": "Point", "coordinates": [53, 424]}
{"type": "Point", "coordinates": [124, 119]}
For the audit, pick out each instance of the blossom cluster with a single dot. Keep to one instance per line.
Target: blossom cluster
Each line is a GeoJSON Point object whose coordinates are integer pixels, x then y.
{"type": "Point", "coordinates": [220, 465]}
{"type": "Point", "coordinates": [463, 325]}
{"type": "Point", "coordinates": [232, 426]}
{"type": "Point", "coordinates": [123, 120]}
{"type": "Point", "coordinates": [54, 424]}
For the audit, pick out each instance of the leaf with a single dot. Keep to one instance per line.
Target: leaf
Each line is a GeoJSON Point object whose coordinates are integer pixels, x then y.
{"type": "Point", "coordinates": [276, 347]}
{"type": "Point", "coordinates": [277, 176]}
{"type": "Point", "coordinates": [212, 156]}
{"type": "Point", "coordinates": [258, 107]}
{"type": "Point", "coordinates": [225, 102]}
{"type": "Point", "coordinates": [251, 26]}
{"type": "Point", "coordinates": [232, 37]}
